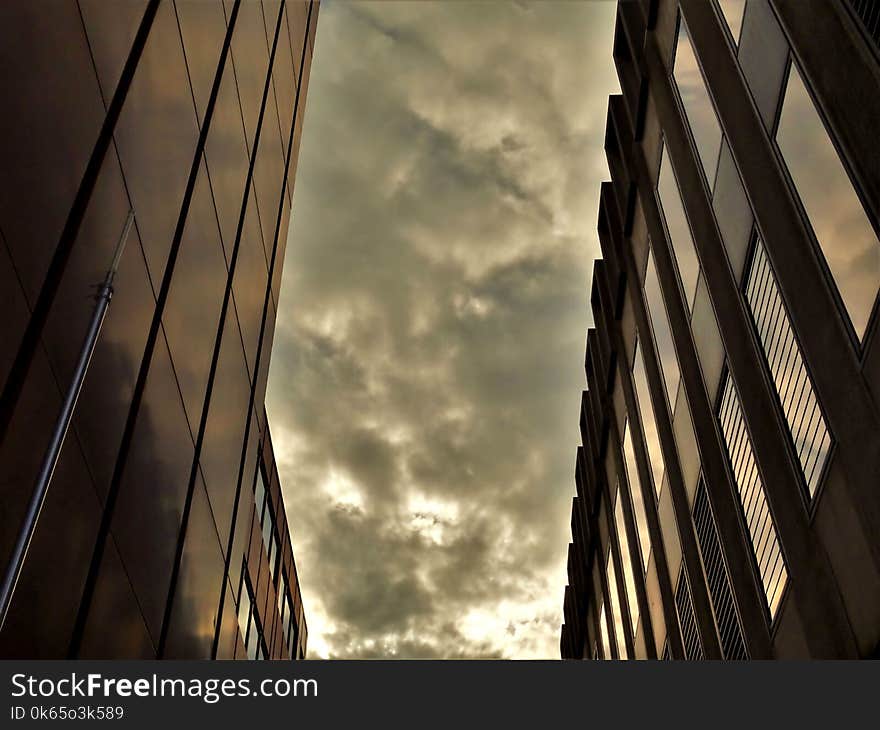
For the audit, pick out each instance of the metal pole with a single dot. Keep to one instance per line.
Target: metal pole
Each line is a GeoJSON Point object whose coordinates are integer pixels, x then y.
{"type": "Point", "coordinates": [50, 460]}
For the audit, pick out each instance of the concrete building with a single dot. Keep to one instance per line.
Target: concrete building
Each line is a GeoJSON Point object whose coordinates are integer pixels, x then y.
{"type": "Point", "coordinates": [727, 487]}
{"type": "Point", "coordinates": [163, 533]}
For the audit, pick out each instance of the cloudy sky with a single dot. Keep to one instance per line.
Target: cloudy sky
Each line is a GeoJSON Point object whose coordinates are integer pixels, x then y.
{"type": "Point", "coordinates": [428, 356]}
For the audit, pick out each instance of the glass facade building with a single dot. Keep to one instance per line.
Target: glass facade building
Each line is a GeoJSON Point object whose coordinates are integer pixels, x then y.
{"type": "Point", "coordinates": [164, 532]}
{"type": "Point", "coordinates": [732, 410]}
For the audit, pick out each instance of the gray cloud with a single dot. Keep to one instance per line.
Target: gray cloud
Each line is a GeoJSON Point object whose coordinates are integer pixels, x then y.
{"type": "Point", "coordinates": [428, 354]}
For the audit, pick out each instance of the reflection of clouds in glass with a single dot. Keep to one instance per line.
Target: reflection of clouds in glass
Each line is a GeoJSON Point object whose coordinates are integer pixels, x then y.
{"type": "Point", "coordinates": [616, 613]}
{"type": "Point", "coordinates": [635, 488]}
{"type": "Point", "coordinates": [845, 234]}
{"type": "Point", "coordinates": [697, 105]}
{"type": "Point", "coordinates": [629, 580]}
{"type": "Point", "coordinates": [678, 231]}
{"type": "Point", "coordinates": [799, 404]}
{"type": "Point", "coordinates": [733, 11]}
{"type": "Point", "coordinates": [662, 330]}
{"type": "Point", "coordinates": [649, 418]}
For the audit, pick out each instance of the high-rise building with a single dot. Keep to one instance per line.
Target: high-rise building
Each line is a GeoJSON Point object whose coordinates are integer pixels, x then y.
{"type": "Point", "coordinates": [163, 533]}
{"type": "Point", "coordinates": [727, 487]}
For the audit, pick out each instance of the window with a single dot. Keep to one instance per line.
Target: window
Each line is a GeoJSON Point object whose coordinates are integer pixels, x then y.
{"type": "Point", "coordinates": [690, 635]}
{"type": "Point", "coordinates": [733, 11]}
{"type": "Point", "coordinates": [662, 331]}
{"type": "Point", "coordinates": [288, 620]}
{"type": "Point", "coordinates": [267, 521]}
{"type": "Point", "coordinates": [696, 102]}
{"type": "Point", "coordinates": [629, 579]}
{"type": "Point", "coordinates": [753, 500]}
{"type": "Point", "coordinates": [638, 499]}
{"type": "Point", "coordinates": [616, 613]}
{"type": "Point", "coordinates": [677, 229]}
{"type": "Point", "coordinates": [603, 632]}
{"type": "Point", "coordinates": [844, 233]}
{"type": "Point", "coordinates": [782, 354]}
{"type": "Point", "coordinates": [717, 578]}
{"type": "Point", "coordinates": [649, 418]}
{"type": "Point", "coordinates": [806, 424]}
{"type": "Point", "coordinates": [248, 622]}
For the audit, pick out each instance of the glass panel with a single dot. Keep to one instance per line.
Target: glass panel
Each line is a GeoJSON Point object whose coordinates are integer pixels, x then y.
{"type": "Point", "coordinates": [783, 356]}
{"type": "Point", "coordinates": [677, 229]}
{"type": "Point", "coordinates": [267, 527]}
{"type": "Point", "coordinates": [291, 645]}
{"type": "Point", "coordinates": [615, 607]}
{"type": "Point", "coordinates": [260, 494]}
{"type": "Point", "coordinates": [649, 418]}
{"type": "Point", "coordinates": [732, 212]}
{"type": "Point", "coordinates": [282, 597]}
{"type": "Point", "coordinates": [753, 500]}
{"type": "Point", "coordinates": [662, 331]}
{"type": "Point", "coordinates": [244, 610]}
{"type": "Point", "coordinates": [638, 501]}
{"type": "Point", "coordinates": [848, 241]}
{"type": "Point", "coordinates": [198, 584]}
{"type": "Point", "coordinates": [707, 337]}
{"type": "Point", "coordinates": [696, 102]}
{"type": "Point", "coordinates": [603, 631]}
{"type": "Point", "coordinates": [252, 640]}
{"type": "Point", "coordinates": [629, 579]}
{"type": "Point", "coordinates": [733, 10]}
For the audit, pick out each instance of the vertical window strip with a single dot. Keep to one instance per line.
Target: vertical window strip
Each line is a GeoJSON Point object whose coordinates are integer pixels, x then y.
{"type": "Point", "coordinates": [697, 105]}
{"type": "Point", "coordinates": [267, 522]}
{"type": "Point", "coordinates": [638, 498]}
{"type": "Point", "coordinates": [717, 577]}
{"type": "Point", "coordinates": [629, 579]}
{"type": "Point", "coordinates": [603, 632]}
{"type": "Point", "coordinates": [690, 636]}
{"type": "Point", "coordinates": [753, 500]}
{"type": "Point", "coordinates": [649, 418]}
{"type": "Point", "coordinates": [806, 423]}
{"type": "Point", "coordinates": [248, 622]}
{"type": "Point", "coordinates": [615, 609]}
{"type": "Point", "coordinates": [663, 342]}
{"type": "Point", "coordinates": [678, 229]}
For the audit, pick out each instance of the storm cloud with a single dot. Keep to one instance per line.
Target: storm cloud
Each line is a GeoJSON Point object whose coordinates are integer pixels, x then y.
{"type": "Point", "coordinates": [427, 365]}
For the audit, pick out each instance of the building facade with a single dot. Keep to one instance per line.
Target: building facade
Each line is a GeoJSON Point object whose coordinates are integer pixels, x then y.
{"type": "Point", "coordinates": [727, 487]}
{"type": "Point", "coordinates": [163, 533]}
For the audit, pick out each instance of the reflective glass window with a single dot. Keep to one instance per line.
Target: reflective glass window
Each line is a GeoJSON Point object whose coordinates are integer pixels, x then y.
{"type": "Point", "coordinates": [282, 597]}
{"type": "Point", "coordinates": [260, 494]}
{"type": "Point", "coordinates": [847, 238]}
{"type": "Point", "coordinates": [603, 631]}
{"type": "Point", "coordinates": [696, 102]}
{"type": "Point", "coordinates": [291, 638]}
{"type": "Point", "coordinates": [244, 612]}
{"type": "Point", "coordinates": [733, 11]}
{"type": "Point", "coordinates": [629, 579]}
{"type": "Point", "coordinates": [638, 501]}
{"type": "Point", "coordinates": [662, 331]}
{"type": "Point", "coordinates": [253, 639]}
{"type": "Point", "coordinates": [615, 607]}
{"type": "Point", "coordinates": [677, 229]}
{"type": "Point", "coordinates": [649, 418]}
